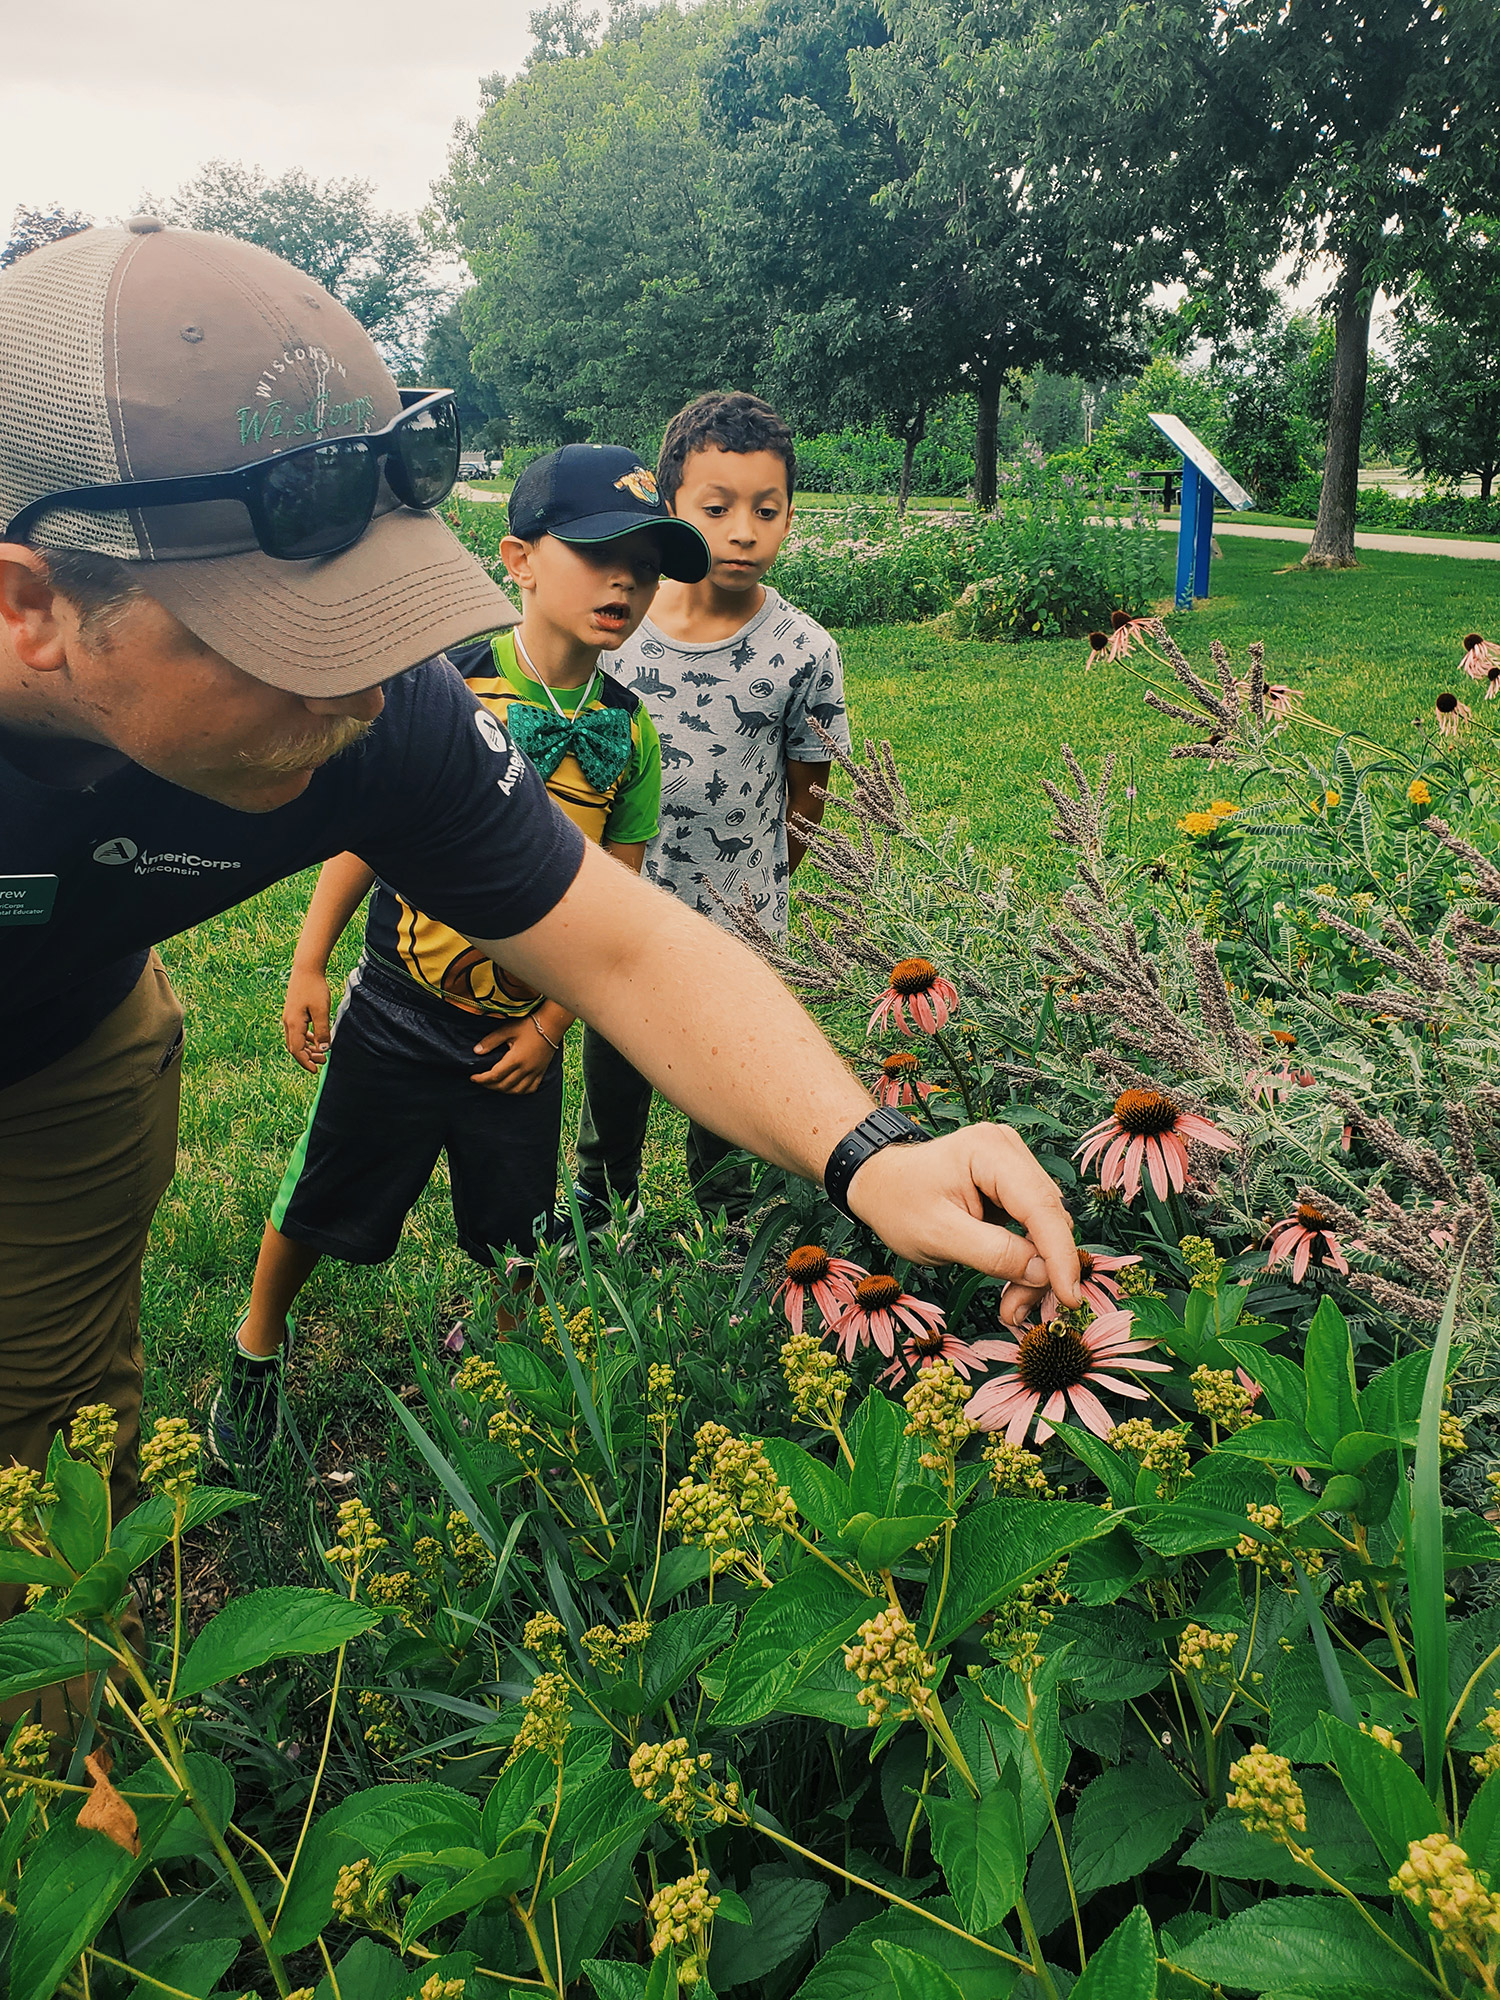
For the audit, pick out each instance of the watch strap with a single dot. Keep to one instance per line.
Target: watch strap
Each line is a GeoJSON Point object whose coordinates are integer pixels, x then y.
{"type": "Point", "coordinates": [883, 1127]}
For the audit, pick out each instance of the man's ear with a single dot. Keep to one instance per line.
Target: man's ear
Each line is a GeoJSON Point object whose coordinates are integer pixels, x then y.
{"type": "Point", "coordinates": [516, 555]}
{"type": "Point", "coordinates": [29, 607]}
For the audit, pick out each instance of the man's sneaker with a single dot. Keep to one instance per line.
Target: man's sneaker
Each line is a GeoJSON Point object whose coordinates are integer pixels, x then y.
{"type": "Point", "coordinates": [244, 1420]}
{"type": "Point", "coordinates": [597, 1216]}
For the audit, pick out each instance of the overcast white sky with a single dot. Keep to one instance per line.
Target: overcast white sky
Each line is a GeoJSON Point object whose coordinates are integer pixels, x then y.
{"type": "Point", "coordinates": [101, 100]}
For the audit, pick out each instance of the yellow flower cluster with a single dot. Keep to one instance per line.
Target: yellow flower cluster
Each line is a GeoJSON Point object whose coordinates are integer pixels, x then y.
{"type": "Point", "coordinates": [741, 1487]}
{"type": "Point", "coordinates": [663, 1398]}
{"type": "Point", "coordinates": [1203, 1262]}
{"type": "Point", "coordinates": [887, 1656]}
{"type": "Point", "coordinates": [22, 1492]}
{"type": "Point", "coordinates": [544, 1636]}
{"type": "Point", "coordinates": [439, 1988]}
{"type": "Point", "coordinates": [1488, 1761]}
{"type": "Point", "coordinates": [1266, 1795]}
{"type": "Point", "coordinates": [357, 1537]}
{"type": "Point", "coordinates": [1451, 1435]}
{"type": "Point", "coordinates": [1378, 1733]}
{"type": "Point", "coordinates": [1436, 1879]}
{"type": "Point", "coordinates": [170, 1457]}
{"type": "Point", "coordinates": [674, 1778]}
{"type": "Point", "coordinates": [815, 1382]}
{"type": "Point", "coordinates": [1198, 824]}
{"type": "Point", "coordinates": [1418, 794]}
{"type": "Point", "coordinates": [1162, 1452]}
{"type": "Point", "coordinates": [351, 1891]}
{"type": "Point", "coordinates": [26, 1757]}
{"type": "Point", "coordinates": [546, 1718]}
{"type": "Point", "coordinates": [1015, 1472]}
{"type": "Point", "coordinates": [1219, 1395]}
{"type": "Point", "coordinates": [1015, 1632]}
{"type": "Point", "coordinates": [709, 1519]}
{"type": "Point", "coordinates": [506, 1428]}
{"type": "Point", "coordinates": [1209, 1655]}
{"type": "Point", "coordinates": [398, 1590]}
{"type": "Point", "coordinates": [583, 1334]}
{"type": "Point", "coordinates": [1252, 1550]}
{"type": "Point", "coordinates": [91, 1435]}
{"type": "Point", "coordinates": [935, 1408]}
{"type": "Point", "coordinates": [682, 1915]}
{"type": "Point", "coordinates": [385, 1725]}
{"type": "Point", "coordinates": [469, 1549]}
{"type": "Point", "coordinates": [1136, 1282]}
{"type": "Point", "coordinates": [601, 1645]}
{"type": "Point", "coordinates": [481, 1379]}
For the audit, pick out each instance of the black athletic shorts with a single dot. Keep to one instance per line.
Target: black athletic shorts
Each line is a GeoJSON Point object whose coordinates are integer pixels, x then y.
{"type": "Point", "coordinates": [395, 1092]}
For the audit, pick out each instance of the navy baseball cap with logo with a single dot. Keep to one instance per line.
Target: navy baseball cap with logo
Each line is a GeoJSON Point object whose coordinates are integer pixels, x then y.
{"type": "Point", "coordinates": [588, 493]}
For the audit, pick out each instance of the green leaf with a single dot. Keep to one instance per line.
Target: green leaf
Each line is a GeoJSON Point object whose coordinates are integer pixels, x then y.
{"type": "Point", "coordinates": [213, 1781]}
{"type": "Point", "coordinates": [1328, 1364]}
{"type": "Point", "coordinates": [72, 1880]}
{"type": "Point", "coordinates": [1298, 1696]}
{"type": "Point", "coordinates": [1277, 1441]}
{"type": "Point", "coordinates": [886, 1541]}
{"type": "Point", "coordinates": [680, 1568]}
{"type": "Point", "coordinates": [1113, 1653]}
{"type": "Point", "coordinates": [514, 1797]}
{"type": "Point", "coordinates": [36, 1653]}
{"type": "Point", "coordinates": [1302, 1945]}
{"type": "Point", "coordinates": [884, 1459]}
{"type": "Point", "coordinates": [1480, 1838]}
{"type": "Point", "coordinates": [599, 1816]}
{"type": "Point", "coordinates": [982, 1852]}
{"type": "Point", "coordinates": [589, 1911]}
{"type": "Point", "coordinates": [679, 1646]}
{"type": "Point", "coordinates": [820, 1494]}
{"type": "Point", "coordinates": [614, 1979]}
{"type": "Point", "coordinates": [358, 1828]}
{"type": "Point", "coordinates": [370, 1970]}
{"type": "Point", "coordinates": [1467, 1539]}
{"type": "Point", "coordinates": [784, 1910]}
{"type": "Point", "coordinates": [917, 1978]}
{"type": "Point", "coordinates": [1126, 1819]}
{"type": "Point", "coordinates": [500, 1875]}
{"type": "Point", "coordinates": [285, 1622]}
{"type": "Point", "coordinates": [99, 1590]}
{"type": "Point", "coordinates": [1101, 1572]}
{"type": "Point", "coordinates": [191, 1968]}
{"type": "Point", "coordinates": [1124, 1966]}
{"type": "Point", "coordinates": [1001, 1545]}
{"type": "Point", "coordinates": [1384, 1790]}
{"type": "Point", "coordinates": [1393, 1399]}
{"type": "Point", "coordinates": [853, 1970]}
{"type": "Point", "coordinates": [1336, 1837]}
{"type": "Point", "coordinates": [20, 1566]}
{"type": "Point", "coordinates": [1283, 1381]}
{"type": "Point", "coordinates": [148, 1527]}
{"type": "Point", "coordinates": [1102, 1460]}
{"type": "Point", "coordinates": [1424, 1556]}
{"type": "Point", "coordinates": [1357, 1449]}
{"type": "Point", "coordinates": [786, 1631]}
{"type": "Point", "coordinates": [78, 1526]}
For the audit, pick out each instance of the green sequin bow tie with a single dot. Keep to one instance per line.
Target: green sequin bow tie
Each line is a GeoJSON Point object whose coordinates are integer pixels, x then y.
{"type": "Point", "coordinates": [599, 739]}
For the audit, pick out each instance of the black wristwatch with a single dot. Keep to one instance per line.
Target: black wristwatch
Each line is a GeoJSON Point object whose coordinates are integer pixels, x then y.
{"type": "Point", "coordinates": [871, 1135]}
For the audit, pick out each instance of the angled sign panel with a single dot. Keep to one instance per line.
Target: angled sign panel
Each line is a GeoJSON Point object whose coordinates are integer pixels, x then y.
{"type": "Point", "coordinates": [1196, 452]}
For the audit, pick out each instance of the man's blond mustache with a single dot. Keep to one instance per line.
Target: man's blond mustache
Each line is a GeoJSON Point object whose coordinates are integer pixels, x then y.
{"type": "Point", "coordinates": [307, 748]}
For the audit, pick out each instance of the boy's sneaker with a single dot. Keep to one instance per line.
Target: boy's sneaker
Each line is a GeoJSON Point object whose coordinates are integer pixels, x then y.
{"type": "Point", "coordinates": [597, 1216]}
{"type": "Point", "coordinates": [244, 1420]}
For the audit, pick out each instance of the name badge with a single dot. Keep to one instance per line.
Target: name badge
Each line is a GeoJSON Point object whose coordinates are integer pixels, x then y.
{"type": "Point", "coordinates": [27, 899]}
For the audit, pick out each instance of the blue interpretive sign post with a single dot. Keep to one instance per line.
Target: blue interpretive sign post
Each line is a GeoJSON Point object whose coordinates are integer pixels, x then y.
{"type": "Point", "coordinates": [1202, 477]}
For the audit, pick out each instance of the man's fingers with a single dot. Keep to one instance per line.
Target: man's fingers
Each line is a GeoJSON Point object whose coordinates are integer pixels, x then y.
{"type": "Point", "coordinates": [1018, 1302]}
{"type": "Point", "coordinates": [1009, 1175]}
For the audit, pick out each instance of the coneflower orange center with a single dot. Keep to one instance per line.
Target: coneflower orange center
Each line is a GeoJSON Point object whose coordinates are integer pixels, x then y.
{"type": "Point", "coordinates": [876, 1291]}
{"type": "Point", "coordinates": [913, 975]}
{"type": "Point", "coordinates": [1085, 1265]}
{"type": "Point", "coordinates": [1285, 1037]}
{"type": "Point", "coordinates": [1051, 1358]}
{"type": "Point", "coordinates": [928, 1341]}
{"type": "Point", "coordinates": [808, 1264]}
{"type": "Point", "coordinates": [1310, 1217]}
{"type": "Point", "coordinates": [902, 1063]}
{"type": "Point", "coordinates": [1146, 1113]}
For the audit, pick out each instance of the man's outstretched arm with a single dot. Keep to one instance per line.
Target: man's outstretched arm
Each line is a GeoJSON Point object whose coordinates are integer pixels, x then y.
{"type": "Point", "coordinates": [717, 1032]}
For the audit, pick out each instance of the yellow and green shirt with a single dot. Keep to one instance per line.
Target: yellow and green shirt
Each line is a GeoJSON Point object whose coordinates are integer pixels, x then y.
{"type": "Point", "coordinates": [620, 805]}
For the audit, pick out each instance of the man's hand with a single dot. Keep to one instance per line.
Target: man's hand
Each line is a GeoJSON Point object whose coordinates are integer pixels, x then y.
{"type": "Point", "coordinates": [524, 1059]}
{"type": "Point", "coordinates": [928, 1202]}
{"type": "Point", "coordinates": [304, 1017]}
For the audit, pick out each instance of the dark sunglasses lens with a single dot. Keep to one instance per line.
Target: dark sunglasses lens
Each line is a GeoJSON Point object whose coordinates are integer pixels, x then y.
{"type": "Point", "coordinates": [319, 501]}
{"type": "Point", "coordinates": [424, 464]}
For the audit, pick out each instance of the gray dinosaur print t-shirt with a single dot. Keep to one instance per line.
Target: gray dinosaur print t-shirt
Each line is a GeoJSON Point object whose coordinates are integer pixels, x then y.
{"type": "Point", "coordinates": [731, 715]}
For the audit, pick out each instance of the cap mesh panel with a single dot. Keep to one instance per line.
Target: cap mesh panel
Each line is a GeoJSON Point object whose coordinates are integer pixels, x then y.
{"type": "Point", "coordinates": [56, 423]}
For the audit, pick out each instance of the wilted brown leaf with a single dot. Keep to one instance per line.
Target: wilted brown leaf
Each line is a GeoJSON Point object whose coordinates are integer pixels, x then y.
{"type": "Point", "coordinates": [104, 1811]}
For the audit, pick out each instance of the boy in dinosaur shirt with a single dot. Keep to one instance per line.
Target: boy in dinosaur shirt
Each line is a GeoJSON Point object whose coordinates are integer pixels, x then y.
{"type": "Point", "coordinates": [735, 678]}
{"type": "Point", "coordinates": [435, 1047]}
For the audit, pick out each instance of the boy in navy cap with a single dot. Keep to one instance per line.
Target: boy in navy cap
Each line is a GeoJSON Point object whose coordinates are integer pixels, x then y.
{"type": "Point", "coordinates": [436, 1047]}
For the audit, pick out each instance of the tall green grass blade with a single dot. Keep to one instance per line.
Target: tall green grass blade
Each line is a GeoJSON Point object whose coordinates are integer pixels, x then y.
{"type": "Point", "coordinates": [1424, 1558]}
{"type": "Point", "coordinates": [591, 1415]}
{"type": "Point", "coordinates": [1333, 1674]}
{"type": "Point", "coordinates": [476, 1507]}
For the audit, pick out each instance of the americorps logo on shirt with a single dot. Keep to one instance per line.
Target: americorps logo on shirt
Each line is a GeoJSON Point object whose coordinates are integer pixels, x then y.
{"type": "Point", "coordinates": [122, 851]}
{"type": "Point", "coordinates": [489, 728]}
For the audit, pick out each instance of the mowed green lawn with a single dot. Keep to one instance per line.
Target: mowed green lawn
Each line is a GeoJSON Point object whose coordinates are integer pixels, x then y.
{"type": "Point", "coordinates": [974, 728]}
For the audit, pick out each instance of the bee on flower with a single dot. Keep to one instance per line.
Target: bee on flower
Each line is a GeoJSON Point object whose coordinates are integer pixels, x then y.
{"type": "Point", "coordinates": [1056, 1368]}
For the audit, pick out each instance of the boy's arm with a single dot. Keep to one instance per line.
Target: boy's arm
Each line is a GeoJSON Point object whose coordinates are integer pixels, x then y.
{"type": "Point", "coordinates": [343, 884]}
{"type": "Point", "coordinates": [717, 1033]}
{"type": "Point", "coordinates": [801, 801]}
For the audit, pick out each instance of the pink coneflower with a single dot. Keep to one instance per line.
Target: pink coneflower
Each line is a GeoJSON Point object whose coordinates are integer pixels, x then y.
{"type": "Point", "coordinates": [898, 1082]}
{"type": "Point", "coordinates": [1301, 1235]}
{"type": "Point", "coordinates": [1272, 1084]}
{"type": "Point", "coordinates": [830, 1280]}
{"type": "Point", "coordinates": [1279, 700]}
{"type": "Point", "coordinates": [915, 983]}
{"type": "Point", "coordinates": [1450, 713]}
{"type": "Point", "coordinates": [1492, 683]}
{"type": "Point", "coordinates": [1124, 628]}
{"type": "Point", "coordinates": [1053, 1366]}
{"type": "Point", "coordinates": [935, 1343]}
{"type": "Point", "coordinates": [1100, 1292]}
{"type": "Point", "coordinates": [1098, 649]}
{"type": "Point", "coordinates": [1146, 1127]}
{"type": "Point", "coordinates": [1479, 656]}
{"type": "Point", "coordinates": [876, 1314]}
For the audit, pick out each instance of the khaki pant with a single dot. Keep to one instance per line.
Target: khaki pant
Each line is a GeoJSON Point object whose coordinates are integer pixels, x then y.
{"type": "Point", "coordinates": [87, 1148]}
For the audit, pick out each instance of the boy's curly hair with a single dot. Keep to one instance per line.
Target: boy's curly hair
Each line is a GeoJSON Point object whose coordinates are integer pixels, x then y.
{"type": "Point", "coordinates": [734, 421]}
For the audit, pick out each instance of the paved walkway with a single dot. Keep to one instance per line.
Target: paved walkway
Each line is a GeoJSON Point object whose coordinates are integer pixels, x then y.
{"type": "Point", "coordinates": [1409, 545]}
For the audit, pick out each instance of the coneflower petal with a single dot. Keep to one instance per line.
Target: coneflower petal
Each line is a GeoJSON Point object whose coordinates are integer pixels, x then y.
{"type": "Point", "coordinates": [1303, 1258]}
{"type": "Point", "coordinates": [1091, 1411]}
{"type": "Point", "coordinates": [1133, 1168]}
{"type": "Point", "coordinates": [1056, 1406]}
{"type": "Point", "coordinates": [1175, 1154]}
{"type": "Point", "coordinates": [1191, 1126]}
{"type": "Point", "coordinates": [1109, 1166]}
{"type": "Point", "coordinates": [1156, 1160]}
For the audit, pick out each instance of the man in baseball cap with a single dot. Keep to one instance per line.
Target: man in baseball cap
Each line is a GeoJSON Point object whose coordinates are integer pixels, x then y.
{"type": "Point", "coordinates": [224, 599]}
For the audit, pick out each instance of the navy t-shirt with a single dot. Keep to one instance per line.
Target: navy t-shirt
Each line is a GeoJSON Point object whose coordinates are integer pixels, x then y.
{"type": "Point", "coordinates": [436, 798]}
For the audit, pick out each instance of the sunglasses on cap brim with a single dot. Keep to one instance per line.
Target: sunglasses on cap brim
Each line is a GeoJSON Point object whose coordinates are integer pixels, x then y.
{"type": "Point", "coordinates": [314, 500]}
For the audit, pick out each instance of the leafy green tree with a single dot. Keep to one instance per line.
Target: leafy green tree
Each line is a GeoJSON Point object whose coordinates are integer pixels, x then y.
{"type": "Point", "coordinates": [1164, 385]}
{"type": "Point", "coordinates": [1208, 139]}
{"type": "Point", "coordinates": [587, 202]}
{"type": "Point", "coordinates": [1447, 362]}
{"type": "Point", "coordinates": [445, 364]}
{"type": "Point", "coordinates": [32, 227]}
{"type": "Point", "coordinates": [378, 264]}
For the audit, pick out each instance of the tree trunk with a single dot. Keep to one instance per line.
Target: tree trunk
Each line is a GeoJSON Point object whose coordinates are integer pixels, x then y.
{"type": "Point", "coordinates": [914, 433]}
{"type": "Point", "coordinates": [1333, 536]}
{"type": "Point", "coordinates": [1486, 479]}
{"type": "Point", "coordinates": [986, 441]}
